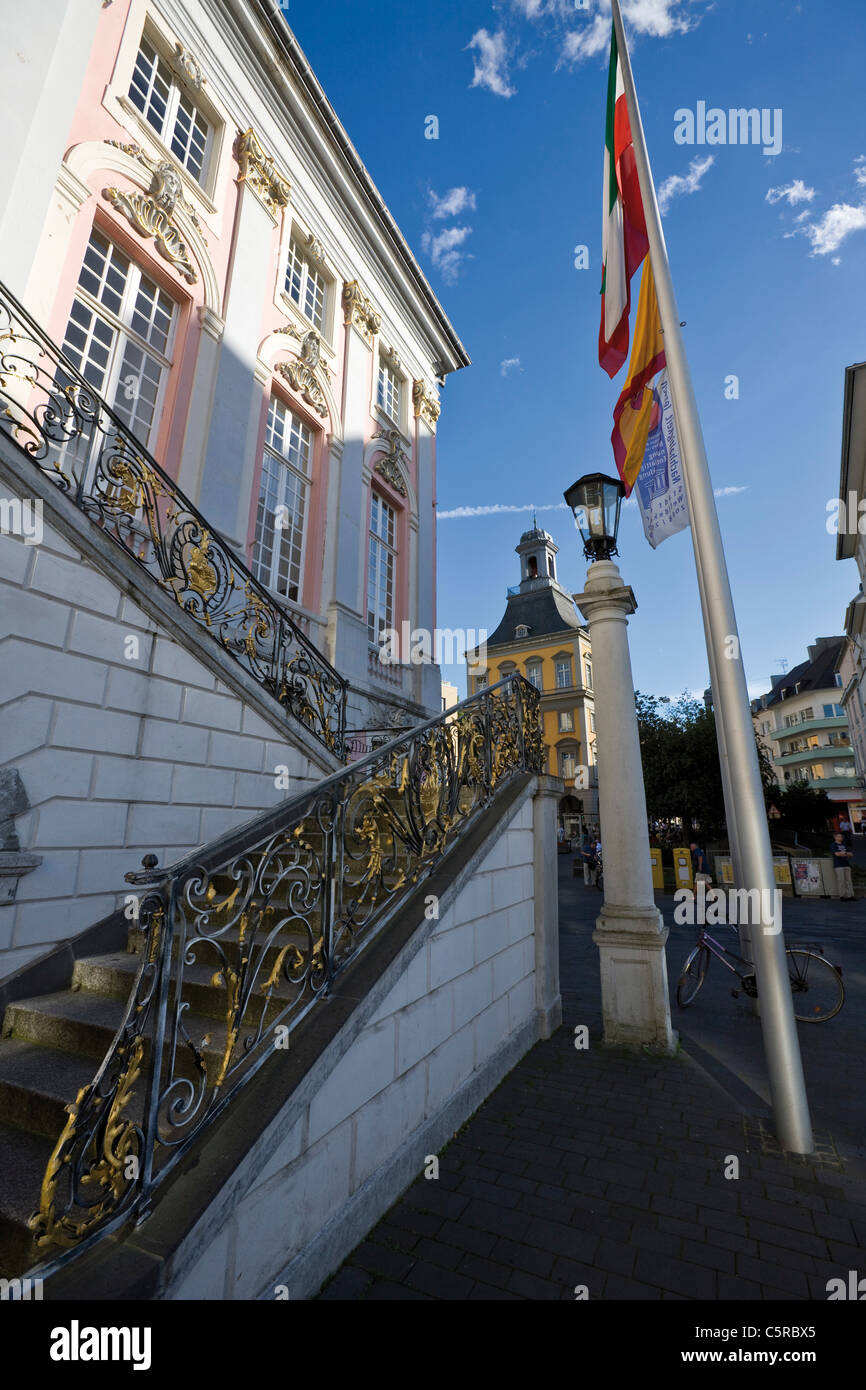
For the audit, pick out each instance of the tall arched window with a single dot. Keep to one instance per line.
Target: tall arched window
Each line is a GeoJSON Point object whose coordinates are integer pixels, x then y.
{"type": "Point", "coordinates": [278, 550]}
{"type": "Point", "coordinates": [381, 562]}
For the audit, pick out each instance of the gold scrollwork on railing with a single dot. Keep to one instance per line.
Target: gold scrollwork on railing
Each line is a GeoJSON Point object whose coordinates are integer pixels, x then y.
{"type": "Point", "coordinates": [265, 922]}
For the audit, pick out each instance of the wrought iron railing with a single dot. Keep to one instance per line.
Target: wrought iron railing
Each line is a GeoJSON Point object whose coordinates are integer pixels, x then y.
{"type": "Point", "coordinates": [69, 432]}
{"type": "Point", "coordinates": [360, 742]}
{"type": "Point", "coordinates": [262, 922]}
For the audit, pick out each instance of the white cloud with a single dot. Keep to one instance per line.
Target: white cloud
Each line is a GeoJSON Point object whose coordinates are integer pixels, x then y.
{"type": "Point", "coordinates": [729, 491]}
{"type": "Point", "coordinates": [443, 250]}
{"type": "Point", "coordinates": [679, 184]}
{"type": "Point", "coordinates": [793, 193]}
{"type": "Point", "coordinates": [860, 169]}
{"type": "Point", "coordinates": [452, 203]}
{"type": "Point", "coordinates": [506, 365]}
{"type": "Point", "coordinates": [491, 62]}
{"type": "Point", "coordinates": [585, 43]}
{"type": "Point", "coordinates": [834, 227]}
{"type": "Point", "coordinates": [656, 19]}
{"type": "Point", "coordinates": [496, 508]}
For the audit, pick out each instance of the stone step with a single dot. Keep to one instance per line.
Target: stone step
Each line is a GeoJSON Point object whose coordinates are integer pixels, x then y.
{"type": "Point", "coordinates": [229, 940]}
{"type": "Point", "coordinates": [37, 1083]}
{"type": "Point", "coordinates": [23, 1160]}
{"type": "Point", "coordinates": [114, 975]}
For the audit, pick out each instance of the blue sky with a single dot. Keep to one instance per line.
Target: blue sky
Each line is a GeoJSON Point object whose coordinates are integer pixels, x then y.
{"type": "Point", "coordinates": [514, 184]}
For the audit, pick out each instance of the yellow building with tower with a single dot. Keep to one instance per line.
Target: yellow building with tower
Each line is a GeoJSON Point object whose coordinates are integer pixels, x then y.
{"type": "Point", "coordinates": [541, 636]}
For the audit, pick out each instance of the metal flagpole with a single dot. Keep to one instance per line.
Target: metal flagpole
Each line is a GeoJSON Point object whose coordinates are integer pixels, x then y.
{"type": "Point", "coordinates": [781, 1045]}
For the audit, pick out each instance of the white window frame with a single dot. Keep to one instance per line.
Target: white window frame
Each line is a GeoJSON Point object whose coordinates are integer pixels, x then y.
{"type": "Point", "coordinates": [308, 268]}
{"type": "Point", "coordinates": [535, 666]}
{"type": "Point", "coordinates": [587, 672]}
{"type": "Point", "coordinates": [569, 727]}
{"type": "Point", "coordinates": [397, 384]}
{"type": "Point", "coordinates": [567, 755]}
{"type": "Point", "coordinates": [567, 663]}
{"type": "Point", "coordinates": [177, 89]}
{"type": "Point", "coordinates": [381, 546]}
{"type": "Point", "coordinates": [120, 323]}
{"type": "Point", "coordinates": [284, 462]}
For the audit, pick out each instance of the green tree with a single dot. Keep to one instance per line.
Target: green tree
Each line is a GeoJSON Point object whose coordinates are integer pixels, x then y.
{"type": "Point", "coordinates": [681, 761]}
{"type": "Point", "coordinates": [804, 809]}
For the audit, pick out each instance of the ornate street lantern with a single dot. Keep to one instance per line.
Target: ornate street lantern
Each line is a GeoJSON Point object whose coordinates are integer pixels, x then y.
{"type": "Point", "coordinates": [595, 500]}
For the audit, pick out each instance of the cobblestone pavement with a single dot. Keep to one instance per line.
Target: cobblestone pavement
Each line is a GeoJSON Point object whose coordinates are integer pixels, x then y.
{"type": "Point", "coordinates": [602, 1171]}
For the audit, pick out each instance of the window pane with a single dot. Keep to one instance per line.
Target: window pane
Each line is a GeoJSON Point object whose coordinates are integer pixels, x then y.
{"type": "Point", "coordinates": [137, 390]}
{"type": "Point", "coordinates": [88, 344]}
{"type": "Point", "coordinates": [388, 391]}
{"type": "Point", "coordinates": [279, 539]}
{"type": "Point", "coordinates": [104, 272]}
{"type": "Point", "coordinates": [314, 298]}
{"type": "Point", "coordinates": [294, 273]}
{"type": "Point", "coordinates": [150, 86]}
{"type": "Point", "coordinates": [152, 314]}
{"type": "Point", "coordinates": [380, 569]}
{"type": "Point", "coordinates": [189, 138]}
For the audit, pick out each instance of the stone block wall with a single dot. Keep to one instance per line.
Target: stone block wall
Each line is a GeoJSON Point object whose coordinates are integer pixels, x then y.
{"type": "Point", "coordinates": [125, 742]}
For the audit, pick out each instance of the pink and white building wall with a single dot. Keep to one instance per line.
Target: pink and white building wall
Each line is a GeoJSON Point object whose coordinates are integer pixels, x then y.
{"type": "Point", "coordinates": [278, 348]}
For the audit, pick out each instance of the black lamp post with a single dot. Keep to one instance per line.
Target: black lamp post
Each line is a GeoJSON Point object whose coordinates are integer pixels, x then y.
{"type": "Point", "coordinates": [595, 500]}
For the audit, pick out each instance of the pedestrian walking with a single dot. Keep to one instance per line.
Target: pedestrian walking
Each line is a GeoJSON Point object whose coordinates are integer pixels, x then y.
{"type": "Point", "coordinates": [700, 863]}
{"type": "Point", "coordinates": [587, 855]}
{"type": "Point", "coordinates": [842, 864]}
{"type": "Point", "coordinates": [845, 830]}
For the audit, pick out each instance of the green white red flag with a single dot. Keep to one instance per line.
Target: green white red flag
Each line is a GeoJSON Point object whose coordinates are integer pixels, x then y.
{"type": "Point", "coordinates": [624, 227]}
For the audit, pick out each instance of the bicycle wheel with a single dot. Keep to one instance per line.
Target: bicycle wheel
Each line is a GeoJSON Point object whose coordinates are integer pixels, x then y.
{"type": "Point", "coordinates": [817, 988]}
{"type": "Point", "coordinates": [693, 975]}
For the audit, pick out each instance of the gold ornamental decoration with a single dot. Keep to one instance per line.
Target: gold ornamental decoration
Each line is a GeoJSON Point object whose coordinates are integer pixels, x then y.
{"type": "Point", "coordinates": [301, 373]}
{"type": "Point", "coordinates": [260, 172]}
{"type": "Point", "coordinates": [359, 312]}
{"type": "Point", "coordinates": [389, 464]}
{"type": "Point", "coordinates": [166, 186]}
{"type": "Point", "coordinates": [152, 221]}
{"type": "Point", "coordinates": [426, 405]}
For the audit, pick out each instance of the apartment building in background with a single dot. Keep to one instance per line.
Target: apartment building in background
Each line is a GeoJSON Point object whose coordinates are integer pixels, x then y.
{"type": "Point", "coordinates": [803, 727]}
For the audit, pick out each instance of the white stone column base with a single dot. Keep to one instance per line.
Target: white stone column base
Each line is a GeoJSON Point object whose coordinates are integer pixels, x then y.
{"type": "Point", "coordinates": [634, 978]}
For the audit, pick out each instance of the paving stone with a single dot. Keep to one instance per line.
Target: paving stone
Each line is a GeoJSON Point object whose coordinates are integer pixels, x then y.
{"type": "Point", "coordinates": [378, 1259]}
{"type": "Point", "coordinates": [383, 1288]}
{"type": "Point", "coordinates": [529, 1258]}
{"type": "Point", "coordinates": [530, 1286]}
{"type": "Point", "coordinates": [486, 1292]}
{"type": "Point", "coordinates": [677, 1276]}
{"type": "Point", "coordinates": [501, 1221]}
{"type": "Point", "coordinates": [491, 1272]}
{"type": "Point", "coordinates": [348, 1283]}
{"type": "Point", "coordinates": [438, 1283]}
{"type": "Point", "coordinates": [435, 1253]}
{"type": "Point", "coordinates": [464, 1237]}
{"type": "Point", "coordinates": [773, 1275]}
{"type": "Point", "coordinates": [489, 1192]}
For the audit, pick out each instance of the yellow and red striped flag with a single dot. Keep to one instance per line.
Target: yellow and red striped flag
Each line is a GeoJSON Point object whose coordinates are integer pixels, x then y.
{"type": "Point", "coordinates": [632, 414]}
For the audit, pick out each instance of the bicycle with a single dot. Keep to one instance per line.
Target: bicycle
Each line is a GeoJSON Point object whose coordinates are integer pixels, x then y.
{"type": "Point", "coordinates": [810, 974]}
